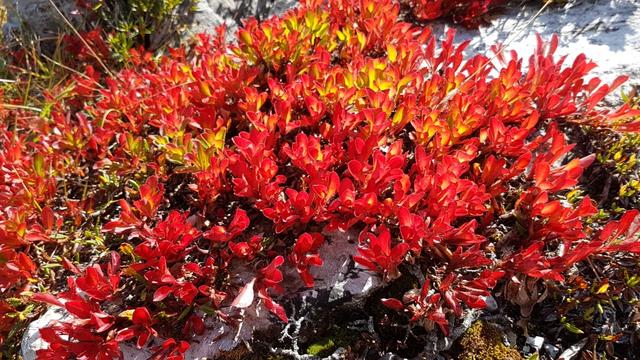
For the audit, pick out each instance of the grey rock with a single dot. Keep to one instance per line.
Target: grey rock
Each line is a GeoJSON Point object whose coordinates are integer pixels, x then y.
{"type": "Point", "coordinates": [492, 304]}
{"type": "Point", "coordinates": [552, 350]}
{"type": "Point", "coordinates": [38, 17]}
{"type": "Point", "coordinates": [31, 341]}
{"type": "Point", "coordinates": [574, 350]}
{"type": "Point", "coordinates": [606, 31]}
{"type": "Point", "coordinates": [438, 343]}
{"type": "Point", "coordinates": [340, 285]}
{"type": "Point", "coordinates": [533, 344]}
{"type": "Point", "coordinates": [222, 337]}
{"type": "Point", "coordinates": [210, 14]}
{"type": "Point", "coordinates": [340, 275]}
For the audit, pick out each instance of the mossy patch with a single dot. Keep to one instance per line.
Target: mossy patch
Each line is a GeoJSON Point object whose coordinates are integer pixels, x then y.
{"type": "Point", "coordinates": [321, 347]}
{"type": "Point", "coordinates": [326, 346]}
{"type": "Point", "coordinates": [483, 341]}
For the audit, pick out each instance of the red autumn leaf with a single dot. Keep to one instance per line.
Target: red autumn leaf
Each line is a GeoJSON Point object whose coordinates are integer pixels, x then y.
{"type": "Point", "coordinates": [162, 292]}
{"type": "Point", "coordinates": [47, 298]}
{"type": "Point", "coordinates": [393, 304]}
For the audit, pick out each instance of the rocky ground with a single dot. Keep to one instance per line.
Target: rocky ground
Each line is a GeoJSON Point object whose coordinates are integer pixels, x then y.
{"type": "Point", "coordinates": [607, 30]}
{"type": "Point", "coordinates": [335, 320]}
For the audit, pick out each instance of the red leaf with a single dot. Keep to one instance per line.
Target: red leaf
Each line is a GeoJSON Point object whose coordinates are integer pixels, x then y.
{"type": "Point", "coordinates": [187, 292]}
{"type": "Point", "coordinates": [239, 223]}
{"type": "Point", "coordinates": [161, 293]}
{"type": "Point", "coordinates": [48, 218]}
{"type": "Point", "coordinates": [47, 298]}
{"type": "Point", "coordinates": [125, 334]}
{"type": "Point", "coordinates": [141, 316]}
{"type": "Point", "coordinates": [70, 266]}
{"type": "Point", "coordinates": [393, 304]}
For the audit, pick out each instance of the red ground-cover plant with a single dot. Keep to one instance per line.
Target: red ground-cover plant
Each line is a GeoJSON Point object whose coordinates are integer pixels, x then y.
{"type": "Point", "coordinates": [469, 13]}
{"type": "Point", "coordinates": [336, 116]}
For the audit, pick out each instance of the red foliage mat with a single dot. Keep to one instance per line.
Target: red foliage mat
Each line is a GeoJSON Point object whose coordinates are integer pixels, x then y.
{"type": "Point", "coordinates": [335, 116]}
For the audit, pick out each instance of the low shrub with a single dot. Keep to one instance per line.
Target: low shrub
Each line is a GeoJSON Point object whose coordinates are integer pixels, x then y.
{"type": "Point", "coordinates": [147, 190]}
{"type": "Point", "coordinates": [152, 24]}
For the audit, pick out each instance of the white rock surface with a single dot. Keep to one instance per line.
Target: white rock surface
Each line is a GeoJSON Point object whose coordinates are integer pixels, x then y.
{"type": "Point", "coordinates": [211, 13]}
{"type": "Point", "coordinates": [607, 31]}
{"type": "Point", "coordinates": [222, 337]}
{"type": "Point", "coordinates": [31, 341]}
{"type": "Point", "coordinates": [339, 274]}
{"type": "Point", "coordinates": [533, 344]}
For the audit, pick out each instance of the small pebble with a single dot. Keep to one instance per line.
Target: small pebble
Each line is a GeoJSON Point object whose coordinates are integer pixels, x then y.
{"type": "Point", "coordinates": [491, 303]}
{"type": "Point", "coordinates": [535, 342]}
{"type": "Point", "coordinates": [553, 351]}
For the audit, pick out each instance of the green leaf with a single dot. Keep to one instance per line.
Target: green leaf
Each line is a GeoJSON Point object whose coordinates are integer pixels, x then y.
{"type": "Point", "coordinates": [38, 165]}
{"type": "Point", "coordinates": [207, 309]}
{"type": "Point", "coordinates": [572, 328]}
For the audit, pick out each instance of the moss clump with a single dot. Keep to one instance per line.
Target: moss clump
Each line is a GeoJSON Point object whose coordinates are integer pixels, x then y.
{"type": "Point", "coordinates": [484, 342]}
{"type": "Point", "coordinates": [321, 347]}
{"type": "Point", "coordinates": [326, 346]}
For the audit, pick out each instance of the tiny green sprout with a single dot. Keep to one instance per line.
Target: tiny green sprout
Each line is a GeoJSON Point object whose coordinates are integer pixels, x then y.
{"type": "Point", "coordinates": [133, 184]}
{"type": "Point", "coordinates": [599, 307]}
{"type": "Point", "coordinates": [534, 356]}
{"type": "Point", "coordinates": [127, 314]}
{"type": "Point", "coordinates": [186, 311]}
{"type": "Point", "coordinates": [24, 314]}
{"type": "Point", "coordinates": [320, 347]}
{"type": "Point", "coordinates": [207, 309]}
{"type": "Point", "coordinates": [14, 302]}
{"type": "Point", "coordinates": [589, 313]}
{"type": "Point", "coordinates": [574, 196]}
{"type": "Point", "coordinates": [108, 180]}
{"type": "Point", "coordinates": [163, 315]}
{"type": "Point", "coordinates": [51, 266]}
{"type": "Point", "coordinates": [607, 337]}
{"type": "Point", "coordinates": [630, 189]}
{"type": "Point", "coordinates": [601, 215]}
{"type": "Point", "coordinates": [633, 281]}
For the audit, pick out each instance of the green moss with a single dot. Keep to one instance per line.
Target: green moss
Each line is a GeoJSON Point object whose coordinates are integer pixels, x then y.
{"type": "Point", "coordinates": [326, 346]}
{"type": "Point", "coordinates": [322, 347]}
{"type": "Point", "coordinates": [483, 341]}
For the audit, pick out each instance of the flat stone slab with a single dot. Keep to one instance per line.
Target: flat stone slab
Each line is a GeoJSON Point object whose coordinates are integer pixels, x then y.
{"type": "Point", "coordinates": [606, 31]}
